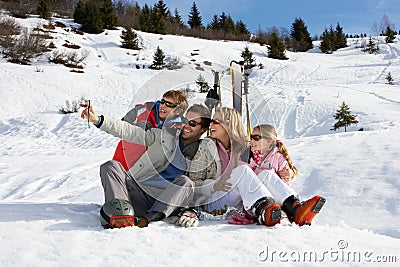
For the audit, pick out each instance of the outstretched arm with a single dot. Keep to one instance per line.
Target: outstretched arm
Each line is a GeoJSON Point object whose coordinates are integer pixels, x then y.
{"type": "Point", "coordinates": [121, 129]}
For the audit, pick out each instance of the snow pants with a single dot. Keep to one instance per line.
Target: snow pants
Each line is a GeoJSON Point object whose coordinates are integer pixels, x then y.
{"type": "Point", "coordinates": [117, 183]}
{"type": "Point", "coordinates": [247, 188]}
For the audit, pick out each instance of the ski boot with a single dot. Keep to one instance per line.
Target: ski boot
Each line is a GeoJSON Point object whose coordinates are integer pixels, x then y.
{"type": "Point", "coordinates": [302, 213]}
{"type": "Point", "coordinates": [266, 211]}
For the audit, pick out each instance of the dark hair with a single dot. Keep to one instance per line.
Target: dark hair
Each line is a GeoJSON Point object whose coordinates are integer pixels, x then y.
{"type": "Point", "coordinates": [204, 113]}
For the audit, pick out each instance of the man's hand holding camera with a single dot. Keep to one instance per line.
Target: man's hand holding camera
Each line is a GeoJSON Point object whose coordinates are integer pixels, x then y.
{"type": "Point", "coordinates": [88, 112]}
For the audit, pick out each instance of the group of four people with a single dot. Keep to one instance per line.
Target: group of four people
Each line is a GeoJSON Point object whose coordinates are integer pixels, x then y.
{"type": "Point", "coordinates": [163, 168]}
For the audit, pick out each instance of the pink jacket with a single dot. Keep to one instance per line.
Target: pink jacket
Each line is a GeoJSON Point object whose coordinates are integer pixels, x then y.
{"type": "Point", "coordinates": [272, 160]}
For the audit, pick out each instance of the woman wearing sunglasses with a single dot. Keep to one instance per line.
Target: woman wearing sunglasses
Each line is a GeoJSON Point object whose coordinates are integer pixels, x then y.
{"type": "Point", "coordinates": [231, 187]}
{"type": "Point", "coordinates": [266, 152]}
{"type": "Point", "coordinates": [237, 185]}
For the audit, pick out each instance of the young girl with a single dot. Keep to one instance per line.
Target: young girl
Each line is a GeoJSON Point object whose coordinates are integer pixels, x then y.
{"type": "Point", "coordinates": [269, 153]}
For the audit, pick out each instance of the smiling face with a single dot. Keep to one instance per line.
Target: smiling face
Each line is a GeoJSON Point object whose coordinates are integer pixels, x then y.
{"type": "Point", "coordinates": [262, 145]}
{"type": "Point", "coordinates": [165, 111]}
{"type": "Point", "coordinates": [218, 130]}
{"type": "Point", "coordinates": [191, 134]}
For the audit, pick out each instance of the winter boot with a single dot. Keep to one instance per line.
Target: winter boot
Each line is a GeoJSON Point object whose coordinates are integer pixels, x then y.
{"type": "Point", "coordinates": [266, 211]}
{"type": "Point", "coordinates": [302, 213]}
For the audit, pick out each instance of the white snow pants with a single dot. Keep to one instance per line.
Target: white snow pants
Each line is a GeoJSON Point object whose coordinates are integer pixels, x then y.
{"type": "Point", "coordinates": [247, 188]}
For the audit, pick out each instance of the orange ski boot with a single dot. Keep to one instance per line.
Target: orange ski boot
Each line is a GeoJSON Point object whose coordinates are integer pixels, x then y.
{"type": "Point", "coordinates": [266, 211]}
{"type": "Point", "coordinates": [302, 213]}
{"type": "Point", "coordinates": [270, 215]}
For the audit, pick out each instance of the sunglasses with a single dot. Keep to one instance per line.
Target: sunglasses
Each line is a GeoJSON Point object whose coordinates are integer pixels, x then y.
{"type": "Point", "coordinates": [256, 137]}
{"type": "Point", "coordinates": [216, 121]}
{"type": "Point", "coordinates": [191, 123]}
{"type": "Point", "coordinates": [168, 104]}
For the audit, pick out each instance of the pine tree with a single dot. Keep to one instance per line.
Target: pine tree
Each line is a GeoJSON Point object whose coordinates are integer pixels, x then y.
{"type": "Point", "coordinates": [108, 14]}
{"type": "Point", "coordinates": [327, 41]}
{"type": "Point", "coordinates": [340, 38]}
{"type": "Point", "coordinates": [333, 40]}
{"type": "Point", "coordinates": [130, 39]}
{"type": "Point", "coordinates": [371, 47]}
{"type": "Point", "coordinates": [241, 28]}
{"type": "Point", "coordinates": [178, 18]}
{"type": "Point", "coordinates": [222, 20]}
{"type": "Point", "coordinates": [158, 59]}
{"type": "Point", "coordinates": [162, 9]}
{"type": "Point", "coordinates": [249, 60]}
{"type": "Point", "coordinates": [276, 47]}
{"type": "Point", "coordinates": [195, 20]}
{"type": "Point", "coordinates": [202, 84]}
{"type": "Point", "coordinates": [79, 13]}
{"type": "Point", "coordinates": [301, 37]}
{"type": "Point", "coordinates": [389, 78]}
{"type": "Point", "coordinates": [159, 16]}
{"type": "Point", "coordinates": [214, 24]}
{"type": "Point", "coordinates": [157, 21]}
{"type": "Point", "coordinates": [390, 35]}
{"type": "Point", "coordinates": [93, 22]}
{"type": "Point", "coordinates": [344, 117]}
{"type": "Point", "coordinates": [229, 26]}
{"type": "Point", "coordinates": [43, 9]}
{"type": "Point", "coordinates": [145, 19]}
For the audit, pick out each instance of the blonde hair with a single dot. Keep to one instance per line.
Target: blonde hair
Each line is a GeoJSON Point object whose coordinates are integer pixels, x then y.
{"type": "Point", "coordinates": [270, 131]}
{"type": "Point", "coordinates": [234, 126]}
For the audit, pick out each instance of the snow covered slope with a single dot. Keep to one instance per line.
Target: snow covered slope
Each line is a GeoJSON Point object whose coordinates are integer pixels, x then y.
{"type": "Point", "coordinates": [50, 190]}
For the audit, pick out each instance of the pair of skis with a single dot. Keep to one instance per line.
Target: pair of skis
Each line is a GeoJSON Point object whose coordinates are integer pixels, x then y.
{"type": "Point", "coordinates": [239, 88]}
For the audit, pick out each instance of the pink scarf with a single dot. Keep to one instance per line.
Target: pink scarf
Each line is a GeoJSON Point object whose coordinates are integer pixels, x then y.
{"type": "Point", "coordinates": [227, 161]}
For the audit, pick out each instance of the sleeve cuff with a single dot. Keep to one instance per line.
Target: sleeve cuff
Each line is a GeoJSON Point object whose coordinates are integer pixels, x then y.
{"type": "Point", "coordinates": [100, 122]}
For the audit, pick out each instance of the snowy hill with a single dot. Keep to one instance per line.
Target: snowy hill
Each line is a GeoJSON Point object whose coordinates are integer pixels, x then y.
{"type": "Point", "coordinates": [51, 192]}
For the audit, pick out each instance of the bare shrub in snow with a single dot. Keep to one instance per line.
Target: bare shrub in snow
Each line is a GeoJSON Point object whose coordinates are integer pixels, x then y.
{"type": "Point", "coordinates": [72, 59]}
{"type": "Point", "coordinates": [173, 63]}
{"type": "Point", "coordinates": [70, 106]}
{"type": "Point", "coordinates": [25, 47]}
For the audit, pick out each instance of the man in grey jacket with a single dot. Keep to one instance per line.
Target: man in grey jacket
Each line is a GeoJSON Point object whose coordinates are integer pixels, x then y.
{"type": "Point", "coordinates": [156, 184]}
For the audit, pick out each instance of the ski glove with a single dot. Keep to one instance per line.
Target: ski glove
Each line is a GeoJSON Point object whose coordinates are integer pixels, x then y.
{"type": "Point", "coordinates": [188, 219]}
{"type": "Point", "coordinates": [241, 220]}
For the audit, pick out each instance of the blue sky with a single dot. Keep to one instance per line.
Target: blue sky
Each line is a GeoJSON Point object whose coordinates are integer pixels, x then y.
{"type": "Point", "coordinates": [355, 16]}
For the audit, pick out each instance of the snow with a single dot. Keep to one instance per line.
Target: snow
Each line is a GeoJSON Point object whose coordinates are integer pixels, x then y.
{"type": "Point", "coordinates": [51, 192]}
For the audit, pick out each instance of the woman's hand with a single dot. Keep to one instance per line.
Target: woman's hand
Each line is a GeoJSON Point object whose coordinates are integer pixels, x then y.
{"type": "Point", "coordinates": [222, 185]}
{"type": "Point", "coordinates": [285, 174]}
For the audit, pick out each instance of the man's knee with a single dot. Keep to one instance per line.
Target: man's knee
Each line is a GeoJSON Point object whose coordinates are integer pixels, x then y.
{"type": "Point", "coordinates": [110, 170]}
{"type": "Point", "coordinates": [110, 166]}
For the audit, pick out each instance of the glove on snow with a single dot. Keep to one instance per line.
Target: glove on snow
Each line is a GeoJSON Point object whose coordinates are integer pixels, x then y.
{"type": "Point", "coordinates": [188, 219]}
{"type": "Point", "coordinates": [240, 220]}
